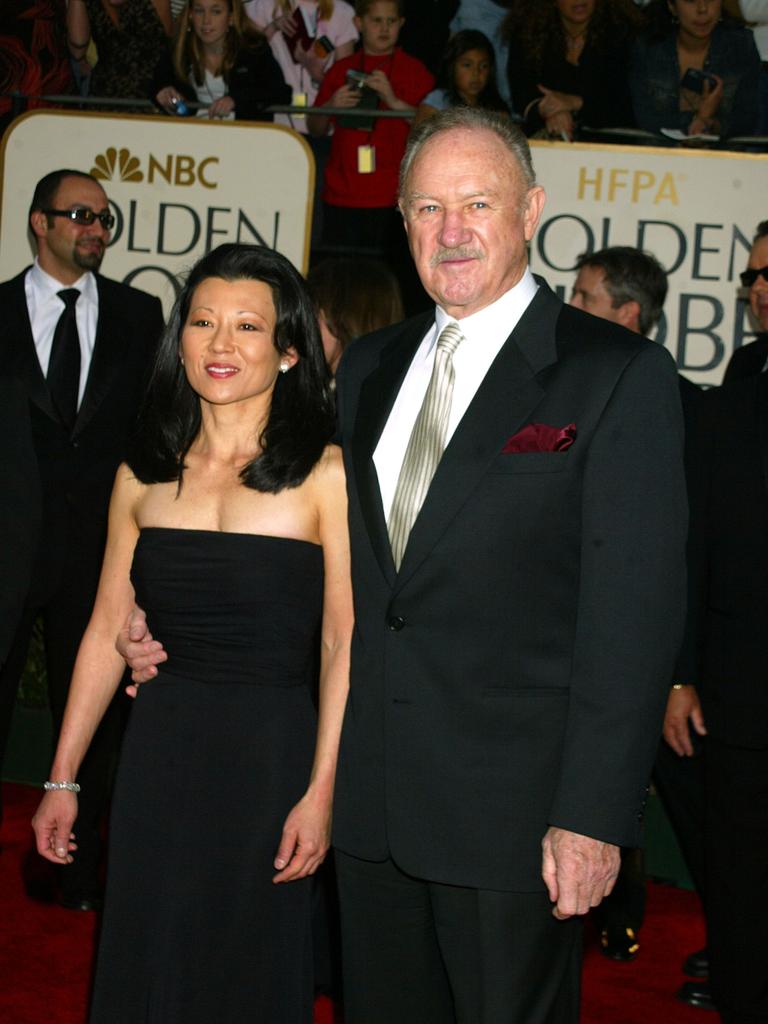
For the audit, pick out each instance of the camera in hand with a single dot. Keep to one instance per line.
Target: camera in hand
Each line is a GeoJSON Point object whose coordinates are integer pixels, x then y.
{"type": "Point", "coordinates": [369, 100]}
{"type": "Point", "coordinates": [694, 79]}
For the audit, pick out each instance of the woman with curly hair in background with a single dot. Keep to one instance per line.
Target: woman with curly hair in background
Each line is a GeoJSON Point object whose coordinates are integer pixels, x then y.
{"type": "Point", "coordinates": [568, 64]}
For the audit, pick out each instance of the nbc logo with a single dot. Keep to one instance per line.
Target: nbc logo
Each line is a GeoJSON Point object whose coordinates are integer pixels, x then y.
{"type": "Point", "coordinates": [116, 164]}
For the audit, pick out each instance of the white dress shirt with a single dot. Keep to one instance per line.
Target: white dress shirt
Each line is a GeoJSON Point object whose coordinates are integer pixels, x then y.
{"type": "Point", "coordinates": [484, 335]}
{"type": "Point", "coordinates": [45, 307]}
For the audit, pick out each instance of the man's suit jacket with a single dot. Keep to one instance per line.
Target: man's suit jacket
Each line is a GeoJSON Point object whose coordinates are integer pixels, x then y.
{"type": "Point", "coordinates": [747, 360]}
{"type": "Point", "coordinates": [77, 470]}
{"type": "Point", "coordinates": [514, 672]}
{"type": "Point", "coordinates": [20, 509]}
{"type": "Point", "coordinates": [729, 520]}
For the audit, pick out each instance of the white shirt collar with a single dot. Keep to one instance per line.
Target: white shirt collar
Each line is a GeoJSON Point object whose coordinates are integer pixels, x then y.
{"type": "Point", "coordinates": [494, 323]}
{"type": "Point", "coordinates": [46, 286]}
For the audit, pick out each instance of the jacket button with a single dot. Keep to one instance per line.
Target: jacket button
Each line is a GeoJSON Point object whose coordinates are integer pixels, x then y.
{"type": "Point", "coordinates": [396, 623]}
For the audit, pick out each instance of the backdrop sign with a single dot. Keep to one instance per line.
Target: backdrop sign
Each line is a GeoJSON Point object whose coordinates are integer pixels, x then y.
{"type": "Point", "coordinates": [695, 210]}
{"type": "Point", "coordinates": [177, 189]}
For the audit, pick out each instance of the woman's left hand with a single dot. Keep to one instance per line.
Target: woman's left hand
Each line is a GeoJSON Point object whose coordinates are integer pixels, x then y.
{"type": "Point", "coordinates": [221, 107]}
{"type": "Point", "coordinates": [305, 840]}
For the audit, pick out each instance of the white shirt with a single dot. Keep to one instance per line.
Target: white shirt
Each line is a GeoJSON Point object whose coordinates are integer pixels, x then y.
{"type": "Point", "coordinates": [213, 88]}
{"type": "Point", "coordinates": [484, 335]}
{"type": "Point", "coordinates": [45, 307]}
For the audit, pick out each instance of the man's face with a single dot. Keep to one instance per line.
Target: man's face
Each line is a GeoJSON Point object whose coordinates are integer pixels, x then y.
{"type": "Point", "coordinates": [66, 249]}
{"type": "Point", "coordinates": [758, 293]}
{"type": "Point", "coordinates": [591, 294]}
{"type": "Point", "coordinates": [468, 217]}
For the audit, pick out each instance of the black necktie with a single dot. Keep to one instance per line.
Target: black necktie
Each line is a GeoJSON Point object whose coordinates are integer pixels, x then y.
{"type": "Point", "coordinates": [64, 366]}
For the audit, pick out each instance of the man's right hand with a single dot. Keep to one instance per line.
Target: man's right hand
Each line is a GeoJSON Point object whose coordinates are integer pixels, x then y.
{"type": "Point", "coordinates": [141, 653]}
{"type": "Point", "coordinates": [683, 706]}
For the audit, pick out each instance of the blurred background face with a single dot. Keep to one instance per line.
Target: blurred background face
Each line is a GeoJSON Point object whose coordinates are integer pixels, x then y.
{"type": "Point", "coordinates": [332, 346]}
{"type": "Point", "coordinates": [470, 74]}
{"type": "Point", "coordinates": [576, 12]}
{"type": "Point", "coordinates": [210, 21]}
{"type": "Point", "coordinates": [697, 17]}
{"type": "Point", "coordinates": [758, 293]}
{"type": "Point", "coordinates": [590, 294]}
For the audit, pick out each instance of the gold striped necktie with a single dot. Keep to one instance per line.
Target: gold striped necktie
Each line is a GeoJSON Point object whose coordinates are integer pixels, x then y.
{"type": "Point", "coordinates": [426, 444]}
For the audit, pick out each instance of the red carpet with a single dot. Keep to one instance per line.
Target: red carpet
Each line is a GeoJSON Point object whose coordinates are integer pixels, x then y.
{"type": "Point", "coordinates": [46, 952]}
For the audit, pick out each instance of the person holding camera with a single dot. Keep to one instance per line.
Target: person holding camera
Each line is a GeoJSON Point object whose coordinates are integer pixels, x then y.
{"type": "Point", "coordinates": [696, 69]}
{"type": "Point", "coordinates": [363, 166]}
{"type": "Point", "coordinates": [222, 62]}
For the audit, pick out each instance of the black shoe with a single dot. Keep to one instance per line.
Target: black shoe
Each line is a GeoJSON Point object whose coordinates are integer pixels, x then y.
{"type": "Point", "coordinates": [81, 901]}
{"type": "Point", "coordinates": [619, 943]}
{"type": "Point", "coordinates": [696, 993]}
{"type": "Point", "coordinates": [697, 964]}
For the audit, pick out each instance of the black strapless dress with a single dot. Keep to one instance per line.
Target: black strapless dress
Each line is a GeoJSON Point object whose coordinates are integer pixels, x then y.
{"type": "Point", "coordinates": [218, 750]}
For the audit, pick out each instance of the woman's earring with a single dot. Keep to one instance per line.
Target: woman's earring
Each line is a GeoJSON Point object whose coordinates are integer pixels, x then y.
{"type": "Point", "coordinates": [284, 367]}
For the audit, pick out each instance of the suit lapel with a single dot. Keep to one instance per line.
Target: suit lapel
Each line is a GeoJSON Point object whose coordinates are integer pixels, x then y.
{"type": "Point", "coordinates": [25, 363]}
{"type": "Point", "coordinates": [503, 403]}
{"type": "Point", "coordinates": [377, 395]}
{"type": "Point", "coordinates": [761, 402]}
{"type": "Point", "coordinates": [107, 359]}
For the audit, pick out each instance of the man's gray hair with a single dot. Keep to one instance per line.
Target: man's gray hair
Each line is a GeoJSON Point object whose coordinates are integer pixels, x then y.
{"type": "Point", "coordinates": [472, 119]}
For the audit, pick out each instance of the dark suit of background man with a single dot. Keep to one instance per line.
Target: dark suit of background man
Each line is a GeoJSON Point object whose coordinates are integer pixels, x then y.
{"type": "Point", "coordinates": [509, 678]}
{"type": "Point", "coordinates": [629, 287]}
{"type": "Point", "coordinates": [79, 426]}
{"type": "Point", "coordinates": [753, 358]}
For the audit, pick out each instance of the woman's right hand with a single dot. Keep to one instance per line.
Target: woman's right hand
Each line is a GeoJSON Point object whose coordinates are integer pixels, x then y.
{"type": "Point", "coordinates": [705, 118]}
{"type": "Point", "coordinates": [52, 825]}
{"type": "Point", "coordinates": [166, 97]}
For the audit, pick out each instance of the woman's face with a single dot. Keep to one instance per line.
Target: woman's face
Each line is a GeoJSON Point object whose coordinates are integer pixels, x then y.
{"type": "Point", "coordinates": [576, 12]}
{"type": "Point", "coordinates": [697, 17]}
{"type": "Point", "coordinates": [210, 20]}
{"type": "Point", "coordinates": [470, 74]}
{"type": "Point", "coordinates": [227, 341]}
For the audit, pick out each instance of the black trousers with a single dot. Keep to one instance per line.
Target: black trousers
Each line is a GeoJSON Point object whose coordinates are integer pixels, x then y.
{"type": "Point", "coordinates": [680, 783]}
{"type": "Point", "coordinates": [419, 952]}
{"type": "Point", "coordinates": [737, 886]}
{"type": "Point", "coordinates": [65, 615]}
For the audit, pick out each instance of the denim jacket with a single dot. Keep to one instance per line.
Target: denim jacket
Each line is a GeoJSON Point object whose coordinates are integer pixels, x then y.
{"type": "Point", "coordinates": [655, 82]}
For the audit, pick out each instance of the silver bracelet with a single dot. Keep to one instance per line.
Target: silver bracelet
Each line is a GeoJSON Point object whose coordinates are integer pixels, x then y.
{"type": "Point", "coordinates": [71, 786]}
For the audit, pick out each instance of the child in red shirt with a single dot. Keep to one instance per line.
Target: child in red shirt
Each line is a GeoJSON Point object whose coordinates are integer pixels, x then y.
{"type": "Point", "coordinates": [361, 176]}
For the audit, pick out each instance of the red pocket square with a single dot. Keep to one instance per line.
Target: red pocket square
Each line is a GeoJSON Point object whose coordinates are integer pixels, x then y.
{"type": "Point", "coordinates": [540, 437]}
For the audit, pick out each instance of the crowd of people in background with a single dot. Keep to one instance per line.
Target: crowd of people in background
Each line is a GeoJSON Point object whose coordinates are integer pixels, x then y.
{"type": "Point", "coordinates": [563, 68]}
{"type": "Point", "coordinates": [661, 72]}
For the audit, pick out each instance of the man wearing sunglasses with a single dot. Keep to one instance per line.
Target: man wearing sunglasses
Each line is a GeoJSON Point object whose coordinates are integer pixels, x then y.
{"type": "Point", "coordinates": [77, 347]}
{"type": "Point", "coordinates": [729, 531]}
{"type": "Point", "coordinates": [753, 358]}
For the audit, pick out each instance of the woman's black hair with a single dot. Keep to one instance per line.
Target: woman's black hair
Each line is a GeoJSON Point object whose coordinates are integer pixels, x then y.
{"type": "Point", "coordinates": [301, 417]}
{"type": "Point", "coordinates": [459, 44]}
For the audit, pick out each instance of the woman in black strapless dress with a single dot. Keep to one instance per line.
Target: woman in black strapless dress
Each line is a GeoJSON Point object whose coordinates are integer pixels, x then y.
{"type": "Point", "coordinates": [228, 526]}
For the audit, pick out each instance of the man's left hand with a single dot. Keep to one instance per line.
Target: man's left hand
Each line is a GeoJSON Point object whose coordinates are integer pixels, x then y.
{"type": "Point", "coordinates": [578, 871]}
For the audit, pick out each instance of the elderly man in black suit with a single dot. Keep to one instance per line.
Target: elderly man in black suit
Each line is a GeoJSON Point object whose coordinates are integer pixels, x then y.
{"type": "Point", "coordinates": [80, 346]}
{"type": "Point", "coordinates": [517, 520]}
